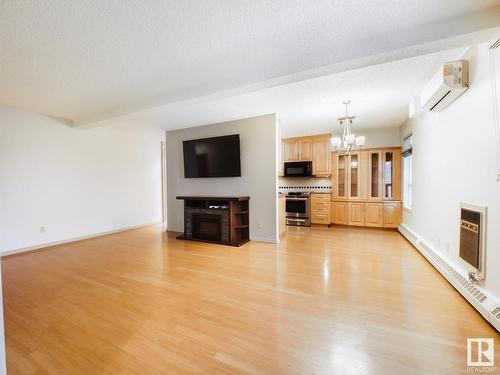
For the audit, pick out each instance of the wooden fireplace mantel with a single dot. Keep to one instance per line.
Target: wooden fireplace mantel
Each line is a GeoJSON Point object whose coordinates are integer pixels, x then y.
{"type": "Point", "coordinates": [233, 219]}
{"type": "Point", "coordinates": [213, 198]}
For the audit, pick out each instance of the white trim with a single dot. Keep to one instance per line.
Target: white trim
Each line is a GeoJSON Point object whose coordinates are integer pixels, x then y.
{"type": "Point", "coordinates": [263, 239]}
{"type": "Point", "coordinates": [426, 250]}
{"type": "Point", "coordinates": [74, 239]}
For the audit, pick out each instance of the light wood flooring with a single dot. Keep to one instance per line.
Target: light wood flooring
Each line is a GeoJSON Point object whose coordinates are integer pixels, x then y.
{"type": "Point", "coordinates": [325, 301]}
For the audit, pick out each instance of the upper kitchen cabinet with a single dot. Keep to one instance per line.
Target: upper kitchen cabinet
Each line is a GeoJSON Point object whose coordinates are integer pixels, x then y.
{"type": "Point", "coordinates": [339, 176]}
{"type": "Point", "coordinates": [290, 149]}
{"type": "Point", "coordinates": [374, 175]}
{"type": "Point", "coordinates": [312, 148]}
{"type": "Point", "coordinates": [321, 156]}
{"type": "Point", "coordinates": [305, 149]}
{"type": "Point", "coordinates": [391, 175]}
{"type": "Point", "coordinates": [356, 176]}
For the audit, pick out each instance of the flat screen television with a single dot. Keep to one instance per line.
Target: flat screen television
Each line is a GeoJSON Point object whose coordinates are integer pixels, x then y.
{"type": "Point", "coordinates": [212, 157]}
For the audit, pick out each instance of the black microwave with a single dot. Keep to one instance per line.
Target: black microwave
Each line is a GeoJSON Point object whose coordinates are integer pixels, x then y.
{"type": "Point", "coordinates": [298, 169]}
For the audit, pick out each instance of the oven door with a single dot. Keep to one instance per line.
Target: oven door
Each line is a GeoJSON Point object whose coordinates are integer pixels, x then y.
{"type": "Point", "coordinates": [298, 169]}
{"type": "Point", "coordinates": [297, 207]}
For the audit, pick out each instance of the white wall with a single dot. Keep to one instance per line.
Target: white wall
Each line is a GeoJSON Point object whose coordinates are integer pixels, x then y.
{"type": "Point", "coordinates": [383, 137]}
{"type": "Point", "coordinates": [454, 160]}
{"type": "Point", "coordinates": [258, 173]}
{"type": "Point", "coordinates": [74, 182]}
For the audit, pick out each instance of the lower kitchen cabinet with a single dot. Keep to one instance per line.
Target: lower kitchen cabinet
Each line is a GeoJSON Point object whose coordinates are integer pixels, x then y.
{"type": "Point", "coordinates": [367, 214]}
{"type": "Point", "coordinates": [339, 212]}
{"type": "Point", "coordinates": [356, 213]}
{"type": "Point", "coordinates": [373, 214]}
{"type": "Point", "coordinates": [320, 208]}
{"type": "Point", "coordinates": [392, 214]}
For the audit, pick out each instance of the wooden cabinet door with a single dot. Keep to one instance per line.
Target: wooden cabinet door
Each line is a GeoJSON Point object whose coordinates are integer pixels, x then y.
{"type": "Point", "coordinates": [305, 146]}
{"type": "Point", "coordinates": [282, 214]}
{"type": "Point", "coordinates": [391, 177]}
{"type": "Point", "coordinates": [391, 214]}
{"type": "Point", "coordinates": [339, 178]}
{"type": "Point", "coordinates": [321, 156]}
{"type": "Point", "coordinates": [373, 214]}
{"type": "Point", "coordinates": [339, 212]}
{"type": "Point", "coordinates": [320, 208]}
{"type": "Point", "coordinates": [356, 179]}
{"type": "Point", "coordinates": [356, 213]}
{"type": "Point", "coordinates": [291, 150]}
{"type": "Point", "coordinates": [374, 175]}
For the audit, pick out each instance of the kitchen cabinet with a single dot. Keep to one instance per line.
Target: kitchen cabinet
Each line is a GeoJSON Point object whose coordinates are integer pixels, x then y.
{"type": "Point", "coordinates": [305, 149]}
{"type": "Point", "coordinates": [373, 214]}
{"type": "Point", "coordinates": [369, 183]}
{"type": "Point", "coordinates": [339, 176]}
{"type": "Point", "coordinates": [374, 175]}
{"type": "Point", "coordinates": [339, 212]}
{"type": "Point", "coordinates": [391, 174]}
{"type": "Point", "coordinates": [314, 148]}
{"type": "Point", "coordinates": [321, 161]}
{"type": "Point", "coordinates": [320, 208]}
{"type": "Point", "coordinates": [356, 213]}
{"type": "Point", "coordinates": [392, 214]}
{"type": "Point", "coordinates": [356, 176]}
{"type": "Point", "coordinates": [282, 213]}
{"type": "Point", "coordinates": [290, 150]}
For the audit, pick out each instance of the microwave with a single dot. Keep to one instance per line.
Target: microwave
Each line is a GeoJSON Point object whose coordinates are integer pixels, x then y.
{"type": "Point", "coordinates": [298, 169]}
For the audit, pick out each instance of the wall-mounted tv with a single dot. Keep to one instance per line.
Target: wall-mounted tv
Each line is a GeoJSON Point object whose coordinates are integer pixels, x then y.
{"type": "Point", "coordinates": [212, 157]}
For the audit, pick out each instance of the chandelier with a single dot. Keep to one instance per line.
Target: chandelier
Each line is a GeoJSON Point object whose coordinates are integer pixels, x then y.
{"type": "Point", "coordinates": [349, 142]}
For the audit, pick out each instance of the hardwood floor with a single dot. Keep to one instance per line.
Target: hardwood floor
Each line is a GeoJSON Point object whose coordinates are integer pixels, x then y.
{"type": "Point", "coordinates": [325, 301]}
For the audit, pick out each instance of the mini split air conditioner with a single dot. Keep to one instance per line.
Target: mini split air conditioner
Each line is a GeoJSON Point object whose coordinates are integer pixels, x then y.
{"type": "Point", "coordinates": [448, 84]}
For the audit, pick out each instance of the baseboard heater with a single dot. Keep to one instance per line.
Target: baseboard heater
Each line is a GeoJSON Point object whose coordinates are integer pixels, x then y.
{"type": "Point", "coordinates": [487, 305]}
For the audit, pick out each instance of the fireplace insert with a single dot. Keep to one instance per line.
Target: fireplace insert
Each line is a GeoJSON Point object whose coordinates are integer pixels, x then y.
{"type": "Point", "coordinates": [207, 227]}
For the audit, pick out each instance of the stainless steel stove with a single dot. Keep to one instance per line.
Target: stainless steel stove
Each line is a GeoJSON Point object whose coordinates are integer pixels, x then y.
{"type": "Point", "coordinates": [298, 208]}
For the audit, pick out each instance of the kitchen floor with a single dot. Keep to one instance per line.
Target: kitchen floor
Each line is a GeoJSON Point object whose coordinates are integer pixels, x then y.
{"type": "Point", "coordinates": [333, 300]}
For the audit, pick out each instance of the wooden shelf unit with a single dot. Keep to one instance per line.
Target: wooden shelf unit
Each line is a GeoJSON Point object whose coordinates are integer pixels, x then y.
{"type": "Point", "coordinates": [366, 188]}
{"type": "Point", "coordinates": [235, 226]}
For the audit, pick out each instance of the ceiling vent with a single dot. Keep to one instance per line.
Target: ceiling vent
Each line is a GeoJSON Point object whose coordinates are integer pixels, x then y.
{"type": "Point", "coordinates": [448, 84]}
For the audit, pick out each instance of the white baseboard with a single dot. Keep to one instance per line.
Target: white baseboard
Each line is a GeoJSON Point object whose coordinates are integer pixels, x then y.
{"type": "Point", "coordinates": [263, 239]}
{"type": "Point", "coordinates": [73, 239]}
{"type": "Point", "coordinates": [483, 301]}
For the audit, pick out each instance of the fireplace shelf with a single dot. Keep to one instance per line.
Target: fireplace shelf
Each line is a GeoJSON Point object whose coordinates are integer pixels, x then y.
{"type": "Point", "coordinates": [222, 220]}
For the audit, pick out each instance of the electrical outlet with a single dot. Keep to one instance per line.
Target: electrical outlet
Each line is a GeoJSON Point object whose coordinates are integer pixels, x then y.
{"type": "Point", "coordinates": [447, 246]}
{"type": "Point", "coordinates": [42, 229]}
{"type": "Point", "coordinates": [178, 217]}
{"type": "Point", "coordinates": [259, 224]}
{"type": "Point", "coordinates": [438, 242]}
{"type": "Point", "coordinates": [178, 179]}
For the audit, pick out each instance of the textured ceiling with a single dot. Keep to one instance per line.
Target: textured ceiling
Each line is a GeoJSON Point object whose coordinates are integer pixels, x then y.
{"type": "Point", "coordinates": [379, 93]}
{"type": "Point", "coordinates": [91, 60]}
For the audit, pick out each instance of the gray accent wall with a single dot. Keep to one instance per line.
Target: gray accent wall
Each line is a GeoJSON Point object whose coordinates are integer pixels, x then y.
{"type": "Point", "coordinates": [258, 140]}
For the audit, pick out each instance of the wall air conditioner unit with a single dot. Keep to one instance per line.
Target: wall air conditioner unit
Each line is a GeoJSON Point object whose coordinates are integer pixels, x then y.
{"type": "Point", "coordinates": [448, 84]}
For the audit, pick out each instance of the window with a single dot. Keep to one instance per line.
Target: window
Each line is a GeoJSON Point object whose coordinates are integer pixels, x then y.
{"type": "Point", "coordinates": [407, 171]}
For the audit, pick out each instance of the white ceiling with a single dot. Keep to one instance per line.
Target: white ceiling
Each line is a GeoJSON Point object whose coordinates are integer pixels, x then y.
{"type": "Point", "coordinates": [98, 59]}
{"type": "Point", "coordinates": [380, 95]}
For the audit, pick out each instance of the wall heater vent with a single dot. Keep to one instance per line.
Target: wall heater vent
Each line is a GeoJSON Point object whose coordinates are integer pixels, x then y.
{"type": "Point", "coordinates": [457, 276]}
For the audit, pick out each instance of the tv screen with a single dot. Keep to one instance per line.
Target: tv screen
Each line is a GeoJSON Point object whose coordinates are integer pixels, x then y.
{"type": "Point", "coordinates": [212, 157]}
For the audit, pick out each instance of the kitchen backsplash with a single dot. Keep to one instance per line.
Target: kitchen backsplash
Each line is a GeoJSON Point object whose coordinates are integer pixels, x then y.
{"type": "Point", "coordinates": [308, 184]}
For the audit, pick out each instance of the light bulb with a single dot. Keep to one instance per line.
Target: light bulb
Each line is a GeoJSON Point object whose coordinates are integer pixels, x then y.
{"type": "Point", "coordinates": [336, 141]}
{"type": "Point", "coordinates": [360, 141]}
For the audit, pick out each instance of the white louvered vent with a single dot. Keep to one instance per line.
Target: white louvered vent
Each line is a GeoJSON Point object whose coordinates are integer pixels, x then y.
{"type": "Point", "coordinates": [486, 304]}
{"type": "Point", "coordinates": [466, 284]}
{"type": "Point", "coordinates": [496, 312]}
{"type": "Point", "coordinates": [495, 317]}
